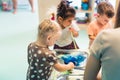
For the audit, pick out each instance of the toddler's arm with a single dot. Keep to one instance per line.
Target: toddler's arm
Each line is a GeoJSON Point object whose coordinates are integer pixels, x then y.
{"type": "Point", "coordinates": [91, 38]}
{"type": "Point", "coordinates": [63, 67]}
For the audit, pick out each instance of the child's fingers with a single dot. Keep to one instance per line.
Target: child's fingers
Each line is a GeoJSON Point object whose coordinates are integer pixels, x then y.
{"type": "Point", "coordinates": [71, 29]}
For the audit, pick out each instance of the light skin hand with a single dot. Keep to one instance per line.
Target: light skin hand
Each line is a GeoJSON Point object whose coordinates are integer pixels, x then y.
{"type": "Point", "coordinates": [91, 37]}
{"type": "Point", "coordinates": [91, 40]}
{"type": "Point", "coordinates": [74, 32]}
{"type": "Point", "coordinates": [63, 67]}
{"type": "Point", "coordinates": [71, 29]}
{"type": "Point", "coordinates": [71, 65]}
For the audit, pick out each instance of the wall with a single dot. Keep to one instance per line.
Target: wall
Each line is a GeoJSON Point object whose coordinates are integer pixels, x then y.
{"type": "Point", "coordinates": [44, 5]}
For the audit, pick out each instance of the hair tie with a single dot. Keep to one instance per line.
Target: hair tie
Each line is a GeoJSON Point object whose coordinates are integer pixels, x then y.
{"type": "Point", "coordinates": [68, 2]}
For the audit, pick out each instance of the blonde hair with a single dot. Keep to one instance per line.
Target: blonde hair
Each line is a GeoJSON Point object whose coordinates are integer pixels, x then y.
{"type": "Point", "coordinates": [47, 27]}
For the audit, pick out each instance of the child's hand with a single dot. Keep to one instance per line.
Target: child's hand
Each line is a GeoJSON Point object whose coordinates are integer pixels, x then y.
{"type": "Point", "coordinates": [71, 29]}
{"type": "Point", "coordinates": [74, 32]}
{"type": "Point", "coordinates": [91, 37]}
{"type": "Point", "coordinates": [71, 65]}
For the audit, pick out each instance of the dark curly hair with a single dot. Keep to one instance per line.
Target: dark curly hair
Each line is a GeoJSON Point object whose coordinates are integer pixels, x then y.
{"type": "Point", "coordinates": [64, 10]}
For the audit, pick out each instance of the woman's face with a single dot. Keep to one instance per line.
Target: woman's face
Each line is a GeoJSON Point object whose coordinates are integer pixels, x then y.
{"type": "Point", "coordinates": [66, 22]}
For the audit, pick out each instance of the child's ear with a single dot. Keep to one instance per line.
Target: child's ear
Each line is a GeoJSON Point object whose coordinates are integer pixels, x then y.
{"type": "Point", "coordinates": [49, 38]}
{"type": "Point", "coordinates": [98, 15]}
{"type": "Point", "coordinates": [60, 19]}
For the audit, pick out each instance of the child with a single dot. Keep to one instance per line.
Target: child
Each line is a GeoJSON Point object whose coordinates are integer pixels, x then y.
{"type": "Point", "coordinates": [105, 12]}
{"type": "Point", "coordinates": [41, 60]}
{"type": "Point", "coordinates": [15, 5]}
{"type": "Point", "coordinates": [65, 17]}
